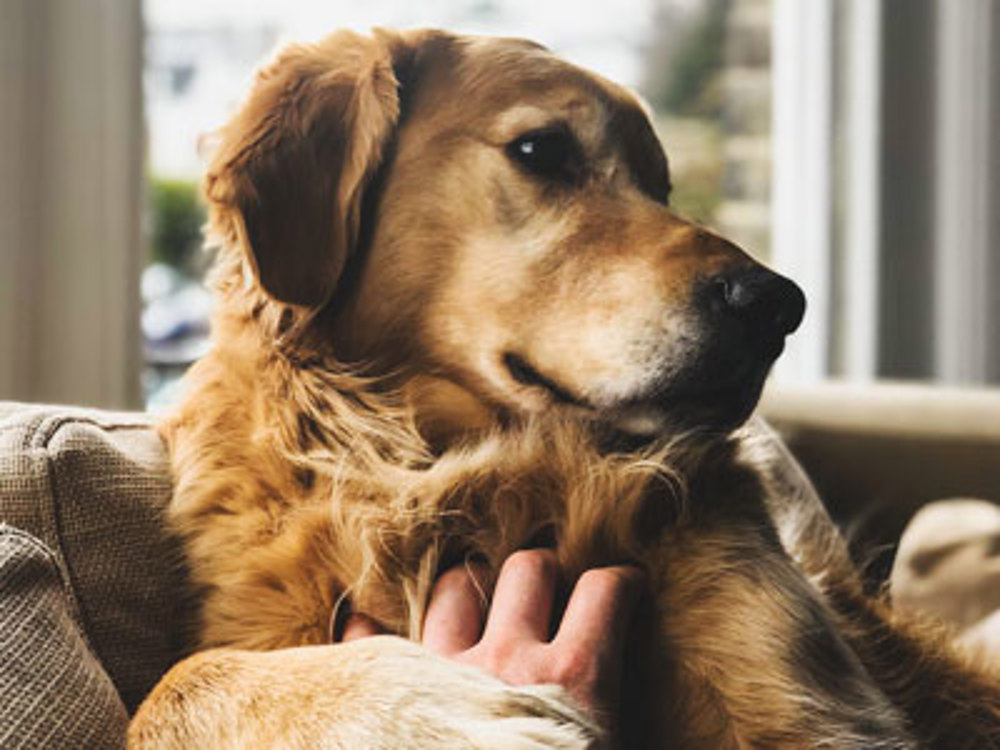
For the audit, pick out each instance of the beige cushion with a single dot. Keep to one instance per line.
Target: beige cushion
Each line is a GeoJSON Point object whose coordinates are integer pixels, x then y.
{"type": "Point", "coordinates": [948, 566]}
{"type": "Point", "coordinates": [91, 486]}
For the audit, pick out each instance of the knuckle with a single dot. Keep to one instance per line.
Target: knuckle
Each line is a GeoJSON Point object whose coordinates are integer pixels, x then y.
{"type": "Point", "coordinates": [573, 667]}
{"type": "Point", "coordinates": [497, 658]}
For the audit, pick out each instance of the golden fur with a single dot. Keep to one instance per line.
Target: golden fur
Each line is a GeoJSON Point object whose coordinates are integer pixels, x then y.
{"type": "Point", "coordinates": [365, 210]}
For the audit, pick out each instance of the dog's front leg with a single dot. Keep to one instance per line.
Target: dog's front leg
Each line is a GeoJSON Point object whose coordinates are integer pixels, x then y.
{"type": "Point", "coordinates": [758, 661]}
{"type": "Point", "coordinates": [380, 692]}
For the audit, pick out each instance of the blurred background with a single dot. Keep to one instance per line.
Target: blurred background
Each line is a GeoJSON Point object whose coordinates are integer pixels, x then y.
{"type": "Point", "coordinates": [854, 144]}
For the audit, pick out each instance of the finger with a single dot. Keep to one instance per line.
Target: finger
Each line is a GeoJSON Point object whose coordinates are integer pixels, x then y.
{"type": "Point", "coordinates": [522, 601]}
{"type": "Point", "coordinates": [359, 626]}
{"type": "Point", "coordinates": [454, 619]}
{"type": "Point", "coordinates": [599, 611]}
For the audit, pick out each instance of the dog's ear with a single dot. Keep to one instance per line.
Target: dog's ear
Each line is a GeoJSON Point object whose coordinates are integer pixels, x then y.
{"type": "Point", "coordinates": [291, 168]}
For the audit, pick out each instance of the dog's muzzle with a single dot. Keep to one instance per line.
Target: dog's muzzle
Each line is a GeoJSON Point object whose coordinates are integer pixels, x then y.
{"type": "Point", "coordinates": [745, 316]}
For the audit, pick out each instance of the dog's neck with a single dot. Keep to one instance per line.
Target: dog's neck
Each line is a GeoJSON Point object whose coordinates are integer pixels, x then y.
{"type": "Point", "coordinates": [444, 412]}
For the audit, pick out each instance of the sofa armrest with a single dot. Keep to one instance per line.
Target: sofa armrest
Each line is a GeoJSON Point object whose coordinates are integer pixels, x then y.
{"type": "Point", "coordinates": [878, 452]}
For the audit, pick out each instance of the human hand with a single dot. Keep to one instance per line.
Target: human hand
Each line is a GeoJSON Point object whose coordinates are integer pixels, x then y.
{"type": "Point", "coordinates": [514, 644]}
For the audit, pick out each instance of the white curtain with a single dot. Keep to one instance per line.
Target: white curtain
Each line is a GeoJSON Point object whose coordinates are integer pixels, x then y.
{"type": "Point", "coordinates": [71, 154]}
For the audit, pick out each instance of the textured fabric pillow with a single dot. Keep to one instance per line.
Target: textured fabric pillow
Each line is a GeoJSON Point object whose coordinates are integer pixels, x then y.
{"type": "Point", "coordinates": [91, 487]}
{"type": "Point", "coordinates": [53, 691]}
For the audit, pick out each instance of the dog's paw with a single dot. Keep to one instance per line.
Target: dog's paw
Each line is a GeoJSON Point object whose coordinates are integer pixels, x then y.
{"type": "Point", "coordinates": [377, 693]}
{"type": "Point", "coordinates": [410, 698]}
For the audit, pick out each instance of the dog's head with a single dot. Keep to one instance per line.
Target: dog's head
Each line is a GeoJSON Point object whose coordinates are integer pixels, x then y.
{"type": "Point", "coordinates": [480, 216]}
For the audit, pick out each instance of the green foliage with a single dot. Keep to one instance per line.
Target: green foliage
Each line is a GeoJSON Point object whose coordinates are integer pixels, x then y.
{"type": "Point", "coordinates": [685, 61]}
{"type": "Point", "coordinates": [697, 198]}
{"type": "Point", "coordinates": [697, 165]}
{"type": "Point", "coordinates": [177, 218]}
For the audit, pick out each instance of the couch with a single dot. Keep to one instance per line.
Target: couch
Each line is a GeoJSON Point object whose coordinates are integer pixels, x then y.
{"type": "Point", "coordinates": [94, 599]}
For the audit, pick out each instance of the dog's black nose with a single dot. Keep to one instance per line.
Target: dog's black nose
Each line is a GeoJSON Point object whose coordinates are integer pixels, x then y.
{"type": "Point", "coordinates": [769, 305]}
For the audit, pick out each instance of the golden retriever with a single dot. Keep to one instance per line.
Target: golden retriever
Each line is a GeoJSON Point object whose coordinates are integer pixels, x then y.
{"type": "Point", "coordinates": [456, 314]}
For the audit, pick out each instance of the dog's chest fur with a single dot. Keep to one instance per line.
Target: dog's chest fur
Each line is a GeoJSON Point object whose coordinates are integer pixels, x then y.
{"type": "Point", "coordinates": [298, 484]}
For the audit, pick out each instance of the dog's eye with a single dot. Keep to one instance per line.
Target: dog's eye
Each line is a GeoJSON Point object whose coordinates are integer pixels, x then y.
{"type": "Point", "coordinates": [548, 153]}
